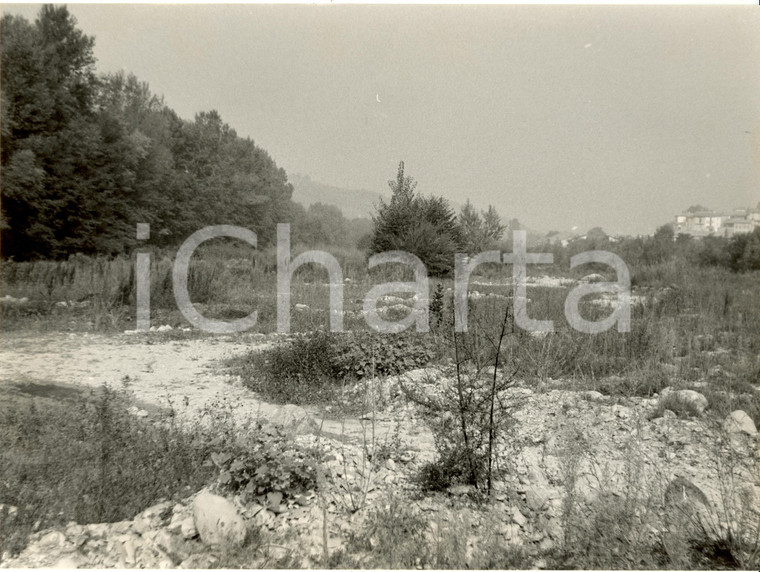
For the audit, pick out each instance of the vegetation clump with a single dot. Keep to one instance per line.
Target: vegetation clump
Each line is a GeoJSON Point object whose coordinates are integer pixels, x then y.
{"type": "Point", "coordinates": [312, 368]}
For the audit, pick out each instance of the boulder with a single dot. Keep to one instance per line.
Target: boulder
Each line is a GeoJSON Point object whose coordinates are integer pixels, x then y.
{"type": "Point", "coordinates": [217, 520]}
{"type": "Point", "coordinates": [688, 520]}
{"type": "Point", "coordinates": [739, 422]}
{"type": "Point", "coordinates": [188, 528]}
{"type": "Point", "coordinates": [518, 518]}
{"type": "Point", "coordinates": [688, 397]}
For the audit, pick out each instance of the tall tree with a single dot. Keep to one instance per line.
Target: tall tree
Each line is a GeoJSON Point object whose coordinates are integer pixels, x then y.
{"type": "Point", "coordinates": [423, 226]}
{"type": "Point", "coordinates": [84, 158]}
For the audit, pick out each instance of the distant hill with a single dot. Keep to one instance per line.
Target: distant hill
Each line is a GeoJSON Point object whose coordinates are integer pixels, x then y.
{"type": "Point", "coordinates": [353, 202]}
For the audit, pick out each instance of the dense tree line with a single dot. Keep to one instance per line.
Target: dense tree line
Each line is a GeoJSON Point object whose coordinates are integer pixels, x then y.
{"type": "Point", "coordinates": [85, 157]}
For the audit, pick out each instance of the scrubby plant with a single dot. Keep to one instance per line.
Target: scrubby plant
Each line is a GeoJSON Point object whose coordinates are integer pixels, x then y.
{"type": "Point", "coordinates": [265, 465]}
{"type": "Point", "coordinates": [312, 368]}
{"type": "Point", "coordinates": [470, 421]}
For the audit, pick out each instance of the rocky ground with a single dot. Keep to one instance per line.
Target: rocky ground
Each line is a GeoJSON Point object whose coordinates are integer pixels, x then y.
{"type": "Point", "coordinates": [567, 451]}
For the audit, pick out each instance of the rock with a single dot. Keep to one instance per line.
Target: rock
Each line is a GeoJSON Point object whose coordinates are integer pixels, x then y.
{"type": "Point", "coordinates": [689, 397]}
{"type": "Point", "coordinates": [512, 533]}
{"type": "Point", "coordinates": [264, 519]}
{"type": "Point", "coordinates": [537, 498]}
{"type": "Point", "coordinates": [593, 396]}
{"type": "Point", "coordinates": [130, 550]}
{"type": "Point", "coordinates": [152, 517]}
{"type": "Point", "coordinates": [52, 540]}
{"type": "Point", "coordinates": [188, 528]}
{"type": "Point", "coordinates": [176, 523]}
{"type": "Point", "coordinates": [68, 562]}
{"type": "Point", "coordinates": [739, 422]}
{"type": "Point", "coordinates": [8, 511]}
{"type": "Point", "coordinates": [587, 488]}
{"type": "Point", "coordinates": [518, 518]}
{"type": "Point", "coordinates": [97, 530]}
{"type": "Point", "coordinates": [688, 519]}
{"type": "Point", "coordinates": [553, 528]}
{"type": "Point", "coordinates": [621, 411]}
{"type": "Point", "coordinates": [217, 520]}
{"type": "Point", "coordinates": [546, 545]}
{"type": "Point", "coordinates": [199, 561]}
{"type": "Point", "coordinates": [172, 546]}
{"type": "Point", "coordinates": [461, 490]}
{"type": "Point", "coordinates": [137, 412]}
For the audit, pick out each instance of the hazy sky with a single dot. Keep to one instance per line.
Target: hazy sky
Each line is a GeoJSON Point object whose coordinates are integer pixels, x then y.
{"type": "Point", "coordinates": [617, 116]}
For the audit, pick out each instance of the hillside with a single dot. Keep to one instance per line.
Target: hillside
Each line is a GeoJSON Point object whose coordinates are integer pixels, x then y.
{"type": "Point", "coordinates": [352, 202]}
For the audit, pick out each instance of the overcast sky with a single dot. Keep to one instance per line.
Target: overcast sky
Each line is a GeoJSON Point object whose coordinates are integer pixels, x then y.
{"type": "Point", "coordinates": [617, 116]}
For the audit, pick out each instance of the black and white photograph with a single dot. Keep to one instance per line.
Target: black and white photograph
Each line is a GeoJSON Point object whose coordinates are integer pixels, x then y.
{"type": "Point", "coordinates": [380, 286]}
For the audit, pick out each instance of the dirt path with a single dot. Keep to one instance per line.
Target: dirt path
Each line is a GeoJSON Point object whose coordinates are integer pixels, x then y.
{"type": "Point", "coordinates": [186, 374]}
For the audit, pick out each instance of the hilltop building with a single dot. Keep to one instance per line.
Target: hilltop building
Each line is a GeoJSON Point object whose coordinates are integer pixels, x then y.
{"type": "Point", "coordinates": [718, 223]}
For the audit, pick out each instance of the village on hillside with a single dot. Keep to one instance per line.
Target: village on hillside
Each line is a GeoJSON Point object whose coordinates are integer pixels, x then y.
{"type": "Point", "coordinates": [700, 222]}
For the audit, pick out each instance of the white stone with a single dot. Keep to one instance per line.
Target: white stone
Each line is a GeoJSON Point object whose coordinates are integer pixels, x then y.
{"type": "Point", "coordinates": [518, 518]}
{"type": "Point", "coordinates": [188, 528]}
{"type": "Point", "coordinates": [217, 520]}
{"type": "Point", "coordinates": [739, 422]}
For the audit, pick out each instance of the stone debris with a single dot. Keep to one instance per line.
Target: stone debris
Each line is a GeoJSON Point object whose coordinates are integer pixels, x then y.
{"type": "Point", "coordinates": [739, 422]}
{"type": "Point", "coordinates": [565, 446]}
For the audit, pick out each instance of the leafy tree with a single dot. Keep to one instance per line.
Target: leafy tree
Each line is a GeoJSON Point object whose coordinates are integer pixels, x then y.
{"type": "Point", "coordinates": [48, 86]}
{"type": "Point", "coordinates": [319, 224]}
{"type": "Point", "coordinates": [744, 252]}
{"type": "Point", "coordinates": [85, 158]}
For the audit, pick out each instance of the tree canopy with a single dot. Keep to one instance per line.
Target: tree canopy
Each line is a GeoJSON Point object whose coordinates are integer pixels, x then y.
{"type": "Point", "coordinates": [85, 157]}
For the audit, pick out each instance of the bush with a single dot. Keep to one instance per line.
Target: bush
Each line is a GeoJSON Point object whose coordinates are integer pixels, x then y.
{"type": "Point", "coordinates": [311, 368]}
{"type": "Point", "coordinates": [266, 466]}
{"type": "Point", "coordinates": [450, 468]}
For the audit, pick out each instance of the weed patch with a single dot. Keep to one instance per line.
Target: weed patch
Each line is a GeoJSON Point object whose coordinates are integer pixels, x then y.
{"type": "Point", "coordinates": [89, 461]}
{"type": "Point", "coordinates": [313, 368]}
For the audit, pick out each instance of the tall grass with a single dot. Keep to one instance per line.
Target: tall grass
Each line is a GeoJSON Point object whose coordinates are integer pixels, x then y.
{"type": "Point", "coordinates": [88, 460]}
{"type": "Point", "coordinates": [696, 323]}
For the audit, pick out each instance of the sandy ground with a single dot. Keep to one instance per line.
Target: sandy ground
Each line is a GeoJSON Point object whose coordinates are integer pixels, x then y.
{"type": "Point", "coordinates": [188, 375]}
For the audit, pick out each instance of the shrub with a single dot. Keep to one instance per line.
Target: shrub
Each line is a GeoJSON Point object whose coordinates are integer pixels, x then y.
{"type": "Point", "coordinates": [310, 368]}
{"type": "Point", "coordinates": [450, 468]}
{"type": "Point", "coordinates": [267, 466]}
